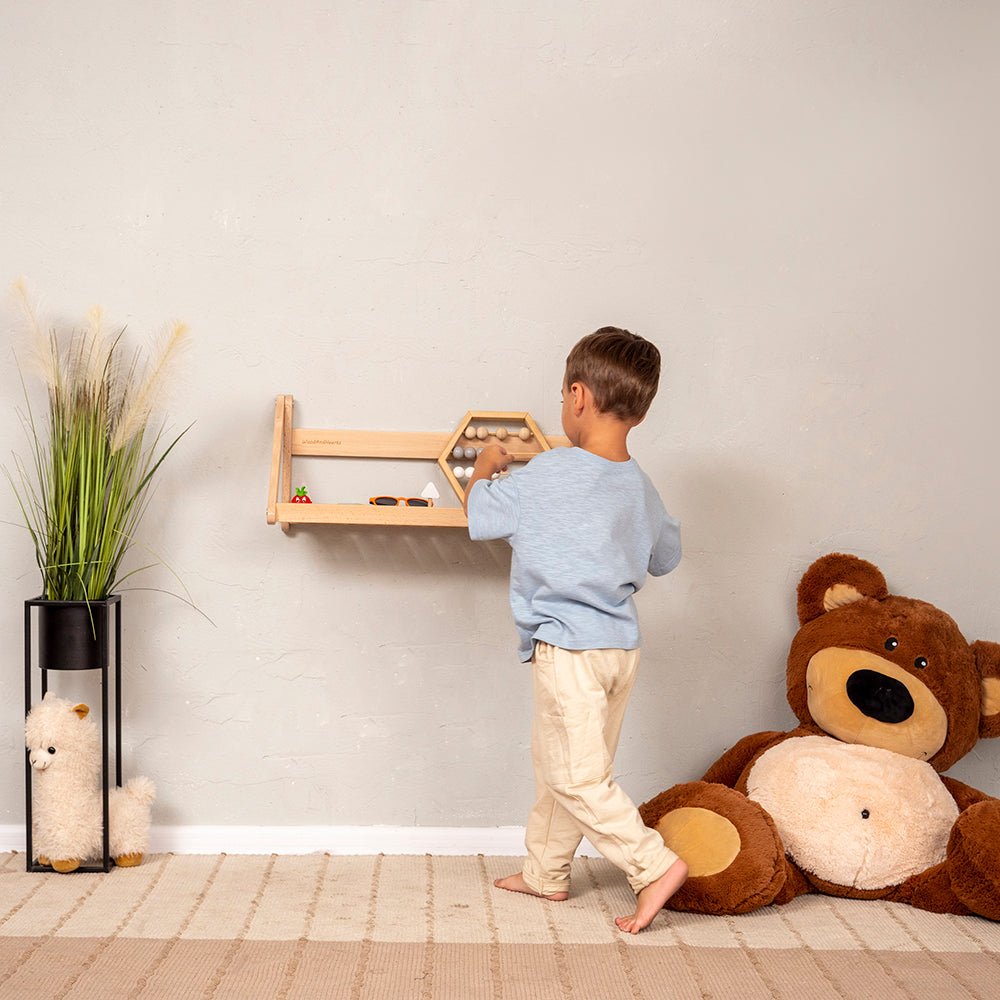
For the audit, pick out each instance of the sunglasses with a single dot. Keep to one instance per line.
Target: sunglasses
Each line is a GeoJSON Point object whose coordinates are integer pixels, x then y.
{"type": "Point", "coordinates": [395, 501]}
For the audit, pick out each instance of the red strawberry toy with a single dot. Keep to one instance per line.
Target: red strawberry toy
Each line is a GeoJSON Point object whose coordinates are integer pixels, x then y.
{"type": "Point", "coordinates": [300, 496]}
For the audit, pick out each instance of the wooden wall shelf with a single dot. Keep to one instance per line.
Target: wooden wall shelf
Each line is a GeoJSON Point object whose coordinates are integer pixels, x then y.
{"type": "Point", "coordinates": [290, 441]}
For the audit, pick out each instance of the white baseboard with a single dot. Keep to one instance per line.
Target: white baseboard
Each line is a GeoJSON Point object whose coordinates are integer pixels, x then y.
{"type": "Point", "coordinates": [438, 840]}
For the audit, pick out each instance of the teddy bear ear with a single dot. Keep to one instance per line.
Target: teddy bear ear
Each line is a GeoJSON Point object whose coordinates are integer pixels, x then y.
{"type": "Point", "coordinates": [835, 580]}
{"type": "Point", "coordinates": [987, 656]}
{"type": "Point", "coordinates": [81, 710]}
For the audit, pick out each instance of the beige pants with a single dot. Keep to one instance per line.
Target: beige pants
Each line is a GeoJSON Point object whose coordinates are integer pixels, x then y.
{"type": "Point", "coordinates": [580, 701]}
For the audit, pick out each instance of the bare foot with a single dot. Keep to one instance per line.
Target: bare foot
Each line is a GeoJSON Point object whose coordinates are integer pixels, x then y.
{"type": "Point", "coordinates": [650, 900]}
{"type": "Point", "coordinates": [516, 883]}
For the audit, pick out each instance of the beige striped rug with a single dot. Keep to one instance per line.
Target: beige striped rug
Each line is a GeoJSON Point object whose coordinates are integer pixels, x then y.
{"type": "Point", "coordinates": [433, 928]}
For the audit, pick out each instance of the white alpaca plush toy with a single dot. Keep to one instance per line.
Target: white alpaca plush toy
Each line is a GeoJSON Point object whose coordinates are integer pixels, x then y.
{"type": "Point", "coordinates": [67, 826]}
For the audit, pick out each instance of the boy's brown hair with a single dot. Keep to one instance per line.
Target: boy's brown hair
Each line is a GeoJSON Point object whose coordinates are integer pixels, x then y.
{"type": "Point", "coordinates": [621, 369]}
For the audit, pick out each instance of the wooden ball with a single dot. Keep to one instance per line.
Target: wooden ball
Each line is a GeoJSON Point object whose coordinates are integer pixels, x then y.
{"type": "Point", "coordinates": [524, 433]}
{"type": "Point", "coordinates": [470, 432]}
{"type": "Point", "coordinates": [501, 433]}
{"type": "Point", "coordinates": [482, 433]}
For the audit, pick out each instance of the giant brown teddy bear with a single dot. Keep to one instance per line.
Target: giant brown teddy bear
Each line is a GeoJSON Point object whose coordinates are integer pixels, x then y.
{"type": "Point", "coordinates": [852, 803]}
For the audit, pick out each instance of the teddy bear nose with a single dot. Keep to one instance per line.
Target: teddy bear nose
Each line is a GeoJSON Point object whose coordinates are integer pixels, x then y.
{"type": "Point", "coordinates": [882, 698]}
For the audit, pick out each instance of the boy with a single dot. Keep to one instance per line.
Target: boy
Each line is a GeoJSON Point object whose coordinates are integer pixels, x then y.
{"type": "Point", "coordinates": [586, 525]}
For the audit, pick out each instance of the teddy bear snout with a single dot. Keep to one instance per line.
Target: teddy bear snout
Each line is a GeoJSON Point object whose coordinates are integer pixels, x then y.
{"type": "Point", "coordinates": [879, 697]}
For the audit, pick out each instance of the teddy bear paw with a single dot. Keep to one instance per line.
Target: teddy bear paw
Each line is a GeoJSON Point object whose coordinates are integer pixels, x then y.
{"type": "Point", "coordinates": [972, 858]}
{"type": "Point", "coordinates": [64, 866]}
{"type": "Point", "coordinates": [129, 860]}
{"type": "Point", "coordinates": [734, 855]}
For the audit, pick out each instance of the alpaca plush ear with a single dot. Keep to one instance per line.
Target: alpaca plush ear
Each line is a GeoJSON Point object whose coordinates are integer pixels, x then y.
{"type": "Point", "coordinates": [836, 580]}
{"type": "Point", "coordinates": [81, 710]}
{"type": "Point", "coordinates": [987, 656]}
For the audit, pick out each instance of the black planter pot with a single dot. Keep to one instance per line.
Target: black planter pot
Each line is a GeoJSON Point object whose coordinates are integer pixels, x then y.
{"type": "Point", "coordinates": [72, 635]}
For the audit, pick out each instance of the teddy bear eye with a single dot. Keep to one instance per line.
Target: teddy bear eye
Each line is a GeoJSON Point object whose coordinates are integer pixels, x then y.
{"type": "Point", "coordinates": [52, 749]}
{"type": "Point", "coordinates": [891, 643]}
{"type": "Point", "coordinates": [920, 662]}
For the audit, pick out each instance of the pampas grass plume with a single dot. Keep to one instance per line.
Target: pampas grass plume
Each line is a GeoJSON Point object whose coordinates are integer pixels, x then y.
{"type": "Point", "coordinates": [148, 396]}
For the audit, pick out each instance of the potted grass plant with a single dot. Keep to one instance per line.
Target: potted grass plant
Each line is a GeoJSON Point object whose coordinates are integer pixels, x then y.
{"type": "Point", "coordinates": [93, 459]}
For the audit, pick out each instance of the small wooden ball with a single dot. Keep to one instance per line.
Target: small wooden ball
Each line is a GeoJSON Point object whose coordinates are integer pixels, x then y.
{"type": "Point", "coordinates": [458, 451]}
{"type": "Point", "coordinates": [524, 433]}
{"type": "Point", "coordinates": [469, 452]}
{"type": "Point", "coordinates": [470, 432]}
{"type": "Point", "coordinates": [482, 433]}
{"type": "Point", "coordinates": [500, 434]}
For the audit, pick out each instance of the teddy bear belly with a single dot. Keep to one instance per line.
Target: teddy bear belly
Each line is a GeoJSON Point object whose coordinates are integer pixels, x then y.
{"type": "Point", "coordinates": [855, 816]}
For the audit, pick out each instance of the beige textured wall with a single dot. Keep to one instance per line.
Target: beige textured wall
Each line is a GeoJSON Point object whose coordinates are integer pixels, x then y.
{"type": "Point", "coordinates": [400, 211]}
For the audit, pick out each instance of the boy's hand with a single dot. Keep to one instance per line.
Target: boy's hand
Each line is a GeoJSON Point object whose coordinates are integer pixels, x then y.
{"type": "Point", "coordinates": [493, 458]}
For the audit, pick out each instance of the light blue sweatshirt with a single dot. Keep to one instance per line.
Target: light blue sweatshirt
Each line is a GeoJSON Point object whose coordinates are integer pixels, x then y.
{"type": "Point", "coordinates": [585, 532]}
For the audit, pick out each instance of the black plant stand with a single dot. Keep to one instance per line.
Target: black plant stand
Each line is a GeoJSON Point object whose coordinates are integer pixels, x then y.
{"type": "Point", "coordinates": [85, 646]}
